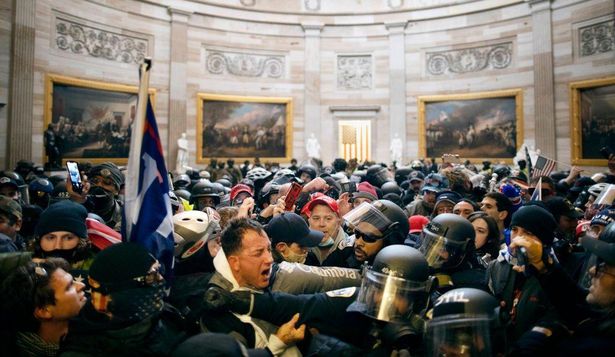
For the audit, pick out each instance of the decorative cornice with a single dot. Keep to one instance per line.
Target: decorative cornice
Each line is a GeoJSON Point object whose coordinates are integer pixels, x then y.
{"type": "Point", "coordinates": [243, 64]}
{"type": "Point", "coordinates": [114, 45]}
{"type": "Point", "coordinates": [179, 15]}
{"type": "Point", "coordinates": [597, 38]}
{"type": "Point", "coordinates": [396, 27]}
{"type": "Point", "coordinates": [354, 108]}
{"type": "Point", "coordinates": [496, 56]}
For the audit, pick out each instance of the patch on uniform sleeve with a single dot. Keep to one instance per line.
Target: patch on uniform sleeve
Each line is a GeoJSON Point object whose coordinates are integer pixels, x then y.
{"type": "Point", "coordinates": [345, 292]}
{"type": "Point", "coordinates": [345, 243]}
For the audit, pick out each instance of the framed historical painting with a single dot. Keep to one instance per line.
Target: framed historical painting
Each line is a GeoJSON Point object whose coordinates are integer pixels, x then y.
{"type": "Point", "coordinates": [243, 128]}
{"type": "Point", "coordinates": [592, 113]}
{"type": "Point", "coordinates": [476, 126]}
{"type": "Point", "coordinates": [88, 120]}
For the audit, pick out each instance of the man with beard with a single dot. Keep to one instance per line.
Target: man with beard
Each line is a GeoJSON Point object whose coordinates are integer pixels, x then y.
{"type": "Point", "coordinates": [376, 225]}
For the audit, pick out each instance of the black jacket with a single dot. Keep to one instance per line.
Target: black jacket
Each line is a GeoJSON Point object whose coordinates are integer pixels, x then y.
{"type": "Point", "coordinates": [92, 334]}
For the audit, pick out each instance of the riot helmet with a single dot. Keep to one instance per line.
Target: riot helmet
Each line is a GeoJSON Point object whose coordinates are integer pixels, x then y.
{"type": "Point", "coordinates": [396, 286]}
{"type": "Point", "coordinates": [381, 219]}
{"type": "Point", "coordinates": [39, 191]}
{"type": "Point", "coordinates": [447, 240]}
{"type": "Point", "coordinates": [264, 197]}
{"type": "Point", "coordinates": [377, 175]}
{"type": "Point", "coordinates": [283, 176]}
{"type": "Point", "coordinates": [204, 194]}
{"type": "Point", "coordinates": [308, 170]}
{"type": "Point", "coordinates": [401, 174]}
{"type": "Point", "coordinates": [191, 230]}
{"type": "Point", "coordinates": [181, 181]}
{"type": "Point", "coordinates": [465, 323]}
{"type": "Point", "coordinates": [183, 194]}
{"type": "Point", "coordinates": [390, 187]}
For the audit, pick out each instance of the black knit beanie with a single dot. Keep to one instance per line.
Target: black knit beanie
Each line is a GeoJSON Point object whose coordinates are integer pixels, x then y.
{"type": "Point", "coordinates": [536, 220]}
{"type": "Point", "coordinates": [120, 263]}
{"type": "Point", "coordinates": [109, 170]}
{"type": "Point", "coordinates": [65, 216]}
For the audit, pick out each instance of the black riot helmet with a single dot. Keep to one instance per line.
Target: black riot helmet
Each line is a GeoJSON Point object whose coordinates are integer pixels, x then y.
{"type": "Point", "coordinates": [201, 190]}
{"type": "Point", "coordinates": [390, 187]}
{"type": "Point", "coordinates": [465, 323]}
{"type": "Point", "coordinates": [396, 286]}
{"type": "Point", "coordinates": [401, 174]}
{"type": "Point", "coordinates": [377, 175]}
{"type": "Point", "coordinates": [307, 169]}
{"type": "Point", "coordinates": [225, 182]}
{"type": "Point", "coordinates": [183, 193]}
{"type": "Point", "coordinates": [181, 181]}
{"type": "Point", "coordinates": [40, 190]}
{"type": "Point", "coordinates": [270, 188]}
{"type": "Point", "coordinates": [447, 240]}
{"type": "Point", "coordinates": [381, 219]}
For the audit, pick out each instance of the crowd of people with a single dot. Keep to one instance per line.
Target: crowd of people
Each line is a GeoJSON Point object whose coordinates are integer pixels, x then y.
{"type": "Point", "coordinates": [339, 260]}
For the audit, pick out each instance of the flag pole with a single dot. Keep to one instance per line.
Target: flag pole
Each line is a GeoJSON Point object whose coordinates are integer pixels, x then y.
{"type": "Point", "coordinates": [136, 139]}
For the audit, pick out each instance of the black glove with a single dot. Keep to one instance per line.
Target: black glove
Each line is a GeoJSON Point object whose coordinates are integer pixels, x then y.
{"type": "Point", "coordinates": [218, 299]}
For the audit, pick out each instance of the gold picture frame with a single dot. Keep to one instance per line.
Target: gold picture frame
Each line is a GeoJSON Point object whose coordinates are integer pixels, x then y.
{"type": "Point", "coordinates": [244, 127]}
{"type": "Point", "coordinates": [477, 126]}
{"type": "Point", "coordinates": [591, 114]}
{"type": "Point", "coordinates": [91, 119]}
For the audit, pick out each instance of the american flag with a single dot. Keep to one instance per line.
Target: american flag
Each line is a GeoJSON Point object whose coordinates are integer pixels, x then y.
{"type": "Point", "coordinates": [537, 195]}
{"type": "Point", "coordinates": [147, 210]}
{"type": "Point", "coordinates": [543, 166]}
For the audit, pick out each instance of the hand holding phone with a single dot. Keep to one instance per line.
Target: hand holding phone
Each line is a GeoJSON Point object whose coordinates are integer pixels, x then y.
{"type": "Point", "coordinates": [74, 176]}
{"type": "Point", "coordinates": [291, 196]}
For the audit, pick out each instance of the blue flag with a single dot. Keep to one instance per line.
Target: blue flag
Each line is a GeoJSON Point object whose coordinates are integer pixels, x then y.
{"type": "Point", "coordinates": [147, 212]}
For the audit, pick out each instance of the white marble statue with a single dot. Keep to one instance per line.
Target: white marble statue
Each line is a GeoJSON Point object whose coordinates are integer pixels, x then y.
{"type": "Point", "coordinates": [396, 149]}
{"type": "Point", "coordinates": [182, 155]}
{"type": "Point", "coordinates": [312, 147]}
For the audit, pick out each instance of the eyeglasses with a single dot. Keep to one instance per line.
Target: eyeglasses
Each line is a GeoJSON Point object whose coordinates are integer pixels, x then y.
{"type": "Point", "coordinates": [599, 270]}
{"type": "Point", "coordinates": [366, 237]}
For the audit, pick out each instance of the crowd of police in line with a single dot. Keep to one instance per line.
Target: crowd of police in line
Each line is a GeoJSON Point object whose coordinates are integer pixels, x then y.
{"type": "Point", "coordinates": [425, 259]}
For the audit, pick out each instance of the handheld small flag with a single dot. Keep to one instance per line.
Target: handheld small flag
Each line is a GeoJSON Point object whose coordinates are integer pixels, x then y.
{"type": "Point", "coordinates": [543, 166]}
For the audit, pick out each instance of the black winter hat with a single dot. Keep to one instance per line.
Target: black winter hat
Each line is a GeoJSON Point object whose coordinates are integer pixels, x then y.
{"type": "Point", "coordinates": [536, 220]}
{"type": "Point", "coordinates": [109, 170]}
{"type": "Point", "coordinates": [120, 264]}
{"type": "Point", "coordinates": [65, 216]}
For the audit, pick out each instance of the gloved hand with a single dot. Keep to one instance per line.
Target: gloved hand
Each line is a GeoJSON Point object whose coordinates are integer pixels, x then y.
{"type": "Point", "coordinates": [218, 299]}
{"type": "Point", "coordinates": [534, 252]}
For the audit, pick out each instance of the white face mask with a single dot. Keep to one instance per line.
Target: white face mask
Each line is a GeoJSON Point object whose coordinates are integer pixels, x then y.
{"type": "Point", "coordinates": [293, 257]}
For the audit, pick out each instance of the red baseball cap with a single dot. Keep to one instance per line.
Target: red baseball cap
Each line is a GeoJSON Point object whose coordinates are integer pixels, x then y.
{"type": "Point", "coordinates": [417, 222]}
{"type": "Point", "coordinates": [320, 199]}
{"type": "Point", "coordinates": [365, 190]}
{"type": "Point", "coordinates": [239, 188]}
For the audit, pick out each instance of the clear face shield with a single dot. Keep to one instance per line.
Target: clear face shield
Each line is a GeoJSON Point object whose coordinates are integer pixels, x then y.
{"type": "Point", "coordinates": [368, 220]}
{"type": "Point", "coordinates": [440, 251]}
{"type": "Point", "coordinates": [459, 336]}
{"type": "Point", "coordinates": [388, 298]}
{"type": "Point", "coordinates": [605, 199]}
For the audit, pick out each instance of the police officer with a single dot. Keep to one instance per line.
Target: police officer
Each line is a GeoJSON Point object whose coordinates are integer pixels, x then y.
{"type": "Point", "coordinates": [204, 194]}
{"type": "Point", "coordinates": [448, 245]}
{"type": "Point", "coordinates": [465, 322]}
{"type": "Point", "coordinates": [40, 191]}
{"type": "Point", "coordinates": [376, 225]}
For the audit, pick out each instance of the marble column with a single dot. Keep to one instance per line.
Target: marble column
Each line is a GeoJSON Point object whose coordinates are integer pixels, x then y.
{"type": "Point", "coordinates": [177, 82]}
{"type": "Point", "coordinates": [397, 85]}
{"type": "Point", "coordinates": [311, 97]}
{"type": "Point", "coordinates": [544, 103]}
{"type": "Point", "coordinates": [22, 83]}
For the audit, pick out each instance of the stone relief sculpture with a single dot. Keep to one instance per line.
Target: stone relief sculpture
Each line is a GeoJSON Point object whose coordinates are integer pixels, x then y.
{"type": "Point", "coordinates": [86, 40]}
{"type": "Point", "coordinates": [182, 155]}
{"type": "Point", "coordinates": [312, 147]}
{"type": "Point", "coordinates": [597, 38]}
{"type": "Point", "coordinates": [470, 59]}
{"type": "Point", "coordinates": [244, 64]}
{"type": "Point", "coordinates": [354, 72]}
